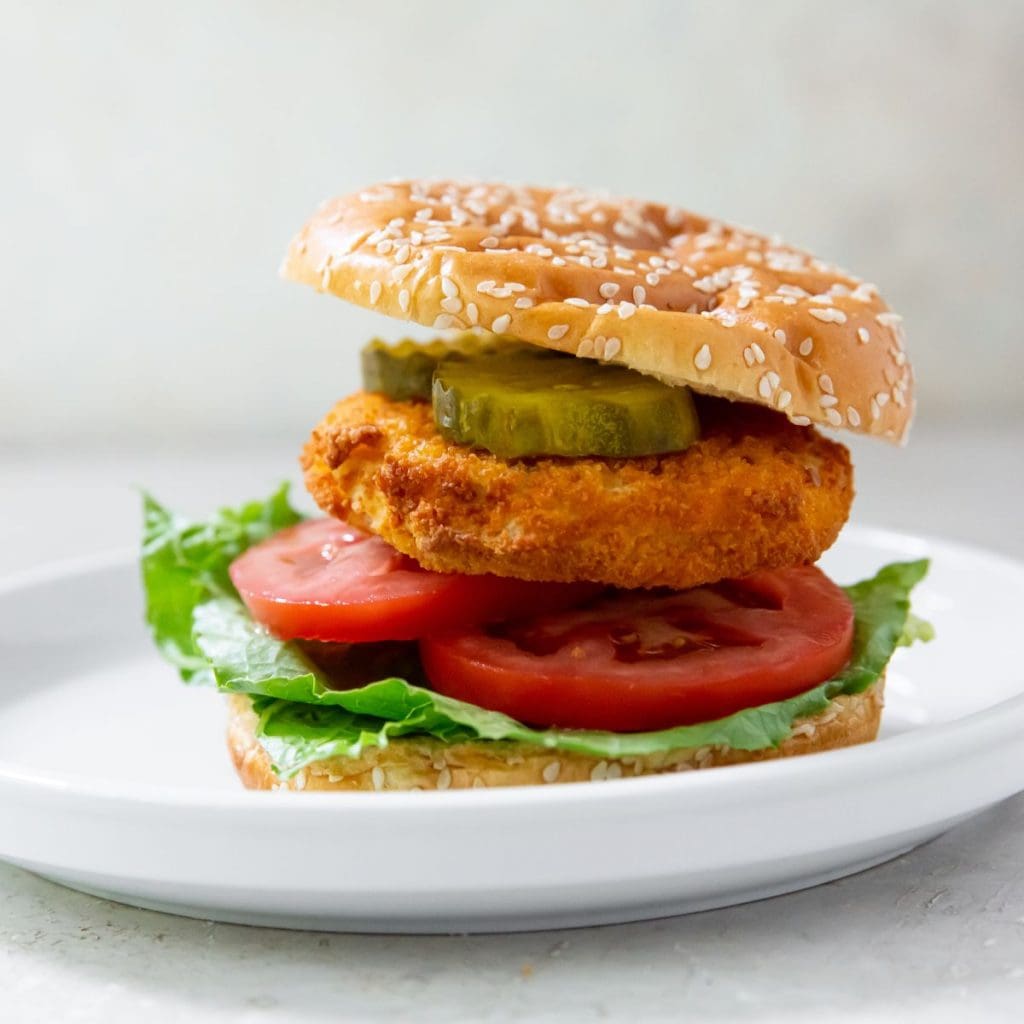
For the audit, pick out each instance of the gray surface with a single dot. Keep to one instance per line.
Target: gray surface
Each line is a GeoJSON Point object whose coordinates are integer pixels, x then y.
{"type": "Point", "coordinates": [936, 935]}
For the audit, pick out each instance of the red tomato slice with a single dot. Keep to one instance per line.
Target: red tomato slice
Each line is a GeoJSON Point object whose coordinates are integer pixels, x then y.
{"type": "Point", "coordinates": [641, 661]}
{"type": "Point", "coordinates": [326, 580]}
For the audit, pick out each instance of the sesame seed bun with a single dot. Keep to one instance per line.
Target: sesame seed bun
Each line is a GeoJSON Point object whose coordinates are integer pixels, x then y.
{"type": "Point", "coordinates": [659, 289]}
{"type": "Point", "coordinates": [427, 763]}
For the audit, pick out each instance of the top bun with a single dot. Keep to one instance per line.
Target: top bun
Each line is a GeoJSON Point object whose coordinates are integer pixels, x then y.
{"type": "Point", "coordinates": [656, 288]}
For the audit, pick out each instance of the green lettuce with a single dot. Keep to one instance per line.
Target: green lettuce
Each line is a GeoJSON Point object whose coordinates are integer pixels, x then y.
{"type": "Point", "coordinates": [305, 715]}
{"type": "Point", "coordinates": [186, 563]}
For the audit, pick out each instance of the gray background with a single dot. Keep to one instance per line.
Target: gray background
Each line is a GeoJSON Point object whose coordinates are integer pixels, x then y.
{"type": "Point", "coordinates": [157, 159]}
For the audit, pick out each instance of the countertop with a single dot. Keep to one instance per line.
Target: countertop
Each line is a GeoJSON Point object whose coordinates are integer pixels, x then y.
{"type": "Point", "coordinates": [936, 935]}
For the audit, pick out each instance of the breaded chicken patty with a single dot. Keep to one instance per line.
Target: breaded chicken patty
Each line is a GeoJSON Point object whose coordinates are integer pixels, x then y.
{"type": "Point", "coordinates": [755, 492]}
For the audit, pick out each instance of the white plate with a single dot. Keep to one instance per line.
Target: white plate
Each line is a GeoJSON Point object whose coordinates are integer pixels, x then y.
{"type": "Point", "coordinates": [114, 780]}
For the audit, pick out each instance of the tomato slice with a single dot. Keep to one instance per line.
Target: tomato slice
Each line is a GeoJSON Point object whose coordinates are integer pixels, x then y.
{"type": "Point", "coordinates": [326, 580]}
{"type": "Point", "coordinates": [639, 661]}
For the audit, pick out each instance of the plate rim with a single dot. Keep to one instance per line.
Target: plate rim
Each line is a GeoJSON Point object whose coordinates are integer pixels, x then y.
{"type": "Point", "coordinates": [1001, 723]}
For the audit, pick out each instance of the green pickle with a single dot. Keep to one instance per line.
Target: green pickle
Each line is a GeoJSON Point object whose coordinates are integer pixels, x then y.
{"type": "Point", "coordinates": [522, 401]}
{"type": "Point", "coordinates": [404, 370]}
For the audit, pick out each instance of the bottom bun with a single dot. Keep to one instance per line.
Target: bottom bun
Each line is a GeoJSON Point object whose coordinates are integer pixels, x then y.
{"type": "Point", "coordinates": [426, 763]}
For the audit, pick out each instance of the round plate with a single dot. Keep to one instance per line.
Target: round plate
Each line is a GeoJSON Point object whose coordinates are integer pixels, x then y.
{"type": "Point", "coordinates": [114, 779]}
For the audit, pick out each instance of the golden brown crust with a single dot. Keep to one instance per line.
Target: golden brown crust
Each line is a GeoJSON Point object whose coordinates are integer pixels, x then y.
{"type": "Point", "coordinates": [754, 493]}
{"type": "Point", "coordinates": [662, 290]}
{"type": "Point", "coordinates": [425, 763]}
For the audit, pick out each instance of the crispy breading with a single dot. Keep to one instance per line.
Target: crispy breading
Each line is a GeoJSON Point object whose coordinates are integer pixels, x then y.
{"type": "Point", "coordinates": [756, 492]}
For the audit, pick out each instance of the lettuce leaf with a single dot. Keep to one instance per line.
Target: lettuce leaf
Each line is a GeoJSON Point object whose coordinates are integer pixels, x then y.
{"type": "Point", "coordinates": [305, 715]}
{"type": "Point", "coordinates": [185, 563]}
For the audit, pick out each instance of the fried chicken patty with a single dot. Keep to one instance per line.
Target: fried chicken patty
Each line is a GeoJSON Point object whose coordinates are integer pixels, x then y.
{"type": "Point", "coordinates": [755, 492]}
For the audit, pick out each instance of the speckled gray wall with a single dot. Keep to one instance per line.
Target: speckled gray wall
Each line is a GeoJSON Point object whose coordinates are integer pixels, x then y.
{"type": "Point", "coordinates": [156, 160]}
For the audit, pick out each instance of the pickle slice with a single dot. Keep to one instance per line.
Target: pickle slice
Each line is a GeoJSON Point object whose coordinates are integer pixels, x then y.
{"type": "Point", "coordinates": [528, 402]}
{"type": "Point", "coordinates": [404, 370]}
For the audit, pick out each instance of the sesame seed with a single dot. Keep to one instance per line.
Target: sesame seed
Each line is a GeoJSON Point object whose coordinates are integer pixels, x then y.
{"type": "Point", "coordinates": [447, 266]}
{"type": "Point", "coordinates": [585, 348]}
{"type": "Point", "coordinates": [403, 300]}
{"type": "Point", "coordinates": [384, 247]}
{"type": "Point", "coordinates": [780, 336]}
{"type": "Point", "coordinates": [889, 319]}
{"type": "Point", "coordinates": [472, 313]}
{"type": "Point", "coordinates": [784, 399]}
{"type": "Point", "coordinates": [490, 242]}
{"type": "Point", "coordinates": [764, 387]}
{"type": "Point", "coordinates": [551, 771]}
{"type": "Point", "coordinates": [834, 417]}
{"type": "Point", "coordinates": [377, 777]}
{"type": "Point", "coordinates": [374, 292]}
{"type": "Point", "coordinates": [449, 287]}
{"type": "Point", "coordinates": [574, 301]}
{"type": "Point", "coordinates": [501, 324]}
{"type": "Point", "coordinates": [485, 286]}
{"type": "Point", "coordinates": [758, 351]}
{"type": "Point", "coordinates": [828, 400]}
{"type": "Point", "coordinates": [702, 360]}
{"type": "Point", "coordinates": [828, 315]}
{"type": "Point", "coordinates": [444, 322]}
{"type": "Point", "coordinates": [853, 416]}
{"type": "Point", "coordinates": [825, 383]}
{"type": "Point", "coordinates": [800, 421]}
{"type": "Point", "coordinates": [452, 305]}
{"type": "Point", "coordinates": [864, 335]}
{"type": "Point", "coordinates": [523, 303]}
{"type": "Point", "coordinates": [612, 348]}
{"type": "Point", "coordinates": [444, 778]}
{"type": "Point", "coordinates": [599, 772]}
{"type": "Point", "coordinates": [625, 310]}
{"type": "Point", "coordinates": [652, 279]}
{"type": "Point", "coordinates": [748, 356]}
{"type": "Point", "coordinates": [806, 346]}
{"type": "Point", "coordinates": [402, 254]}
{"type": "Point", "coordinates": [639, 294]}
{"type": "Point", "coordinates": [558, 331]}
{"type": "Point", "coordinates": [882, 398]}
{"type": "Point", "coordinates": [606, 307]}
{"type": "Point", "coordinates": [876, 411]}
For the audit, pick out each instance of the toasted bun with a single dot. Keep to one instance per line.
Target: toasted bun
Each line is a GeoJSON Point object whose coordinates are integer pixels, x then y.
{"type": "Point", "coordinates": [659, 289]}
{"type": "Point", "coordinates": [425, 763]}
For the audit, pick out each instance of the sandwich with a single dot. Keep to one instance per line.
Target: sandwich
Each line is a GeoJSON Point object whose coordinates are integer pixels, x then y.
{"type": "Point", "coordinates": [570, 535]}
